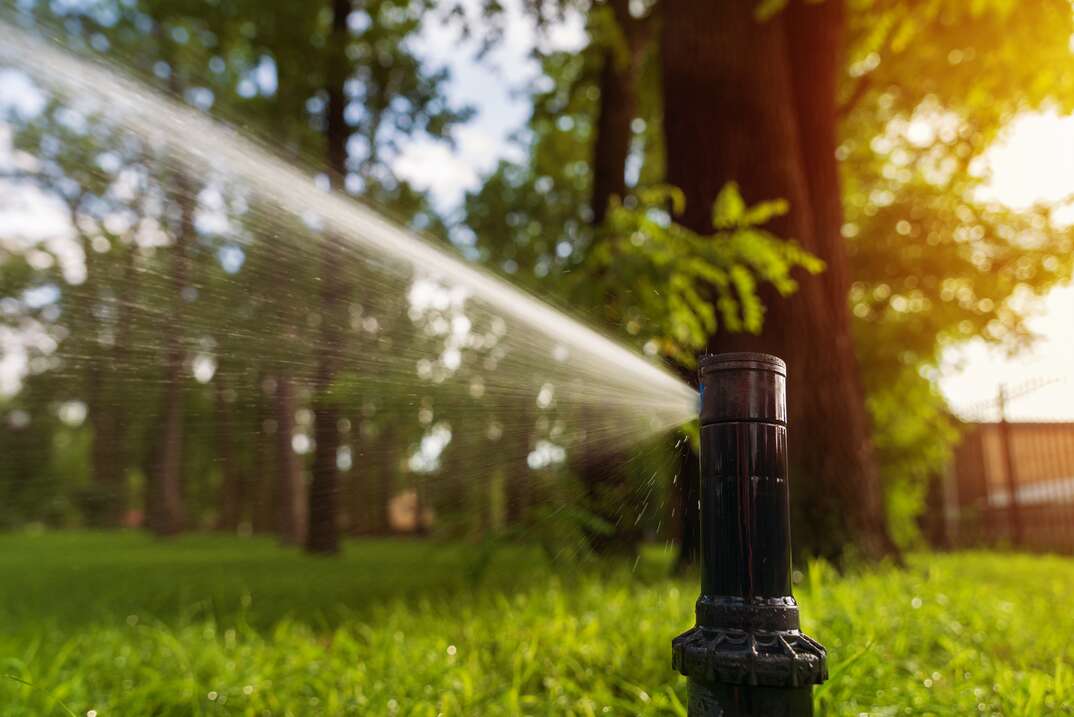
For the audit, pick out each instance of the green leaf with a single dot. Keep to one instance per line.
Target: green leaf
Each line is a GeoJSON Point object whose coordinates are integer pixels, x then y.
{"type": "Point", "coordinates": [729, 207]}
{"type": "Point", "coordinates": [763, 211]}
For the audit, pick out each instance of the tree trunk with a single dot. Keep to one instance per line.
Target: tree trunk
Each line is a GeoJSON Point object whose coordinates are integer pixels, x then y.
{"type": "Point", "coordinates": [448, 492]}
{"type": "Point", "coordinates": [618, 106]}
{"type": "Point", "coordinates": [324, 488]}
{"type": "Point", "coordinates": [744, 101]}
{"type": "Point", "coordinates": [371, 482]}
{"type": "Point", "coordinates": [121, 366]}
{"type": "Point", "coordinates": [358, 499]}
{"type": "Point", "coordinates": [519, 478]}
{"type": "Point", "coordinates": [166, 515]}
{"type": "Point", "coordinates": [361, 517]}
{"type": "Point", "coordinates": [289, 498]}
{"type": "Point", "coordinates": [517, 489]}
{"type": "Point", "coordinates": [100, 510]}
{"type": "Point", "coordinates": [389, 467]}
{"type": "Point", "coordinates": [231, 485]}
{"type": "Point", "coordinates": [817, 59]}
{"type": "Point", "coordinates": [263, 510]}
{"type": "Point", "coordinates": [101, 412]}
{"type": "Point", "coordinates": [602, 471]}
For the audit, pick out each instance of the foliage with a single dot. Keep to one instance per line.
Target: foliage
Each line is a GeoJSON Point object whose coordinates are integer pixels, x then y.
{"type": "Point", "coordinates": [530, 218]}
{"type": "Point", "coordinates": [935, 260]}
{"type": "Point", "coordinates": [675, 287]}
{"type": "Point", "coordinates": [912, 434]}
{"type": "Point", "coordinates": [119, 623]}
{"type": "Point", "coordinates": [927, 90]}
{"type": "Point", "coordinates": [640, 274]}
{"type": "Point", "coordinates": [261, 67]}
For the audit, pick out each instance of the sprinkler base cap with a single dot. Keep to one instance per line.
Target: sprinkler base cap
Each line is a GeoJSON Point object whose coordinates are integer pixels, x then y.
{"type": "Point", "coordinates": [779, 658]}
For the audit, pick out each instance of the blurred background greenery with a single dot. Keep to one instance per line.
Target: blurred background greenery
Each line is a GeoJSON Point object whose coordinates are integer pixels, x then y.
{"type": "Point", "coordinates": [812, 179]}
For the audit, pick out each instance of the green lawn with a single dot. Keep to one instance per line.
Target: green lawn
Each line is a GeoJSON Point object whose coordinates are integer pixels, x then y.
{"type": "Point", "coordinates": [123, 625]}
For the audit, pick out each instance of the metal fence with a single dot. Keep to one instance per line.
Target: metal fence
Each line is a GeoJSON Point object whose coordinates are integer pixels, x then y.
{"type": "Point", "coordinates": [1011, 482]}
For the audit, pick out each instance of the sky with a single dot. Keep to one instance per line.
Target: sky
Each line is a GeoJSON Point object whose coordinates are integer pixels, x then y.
{"type": "Point", "coordinates": [496, 87]}
{"type": "Point", "coordinates": [1033, 161]}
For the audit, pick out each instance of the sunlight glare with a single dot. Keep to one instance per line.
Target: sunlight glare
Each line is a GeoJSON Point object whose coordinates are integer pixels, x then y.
{"type": "Point", "coordinates": [1033, 162]}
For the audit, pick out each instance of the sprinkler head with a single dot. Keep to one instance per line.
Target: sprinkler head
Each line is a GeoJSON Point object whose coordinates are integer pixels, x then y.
{"type": "Point", "coordinates": [746, 656]}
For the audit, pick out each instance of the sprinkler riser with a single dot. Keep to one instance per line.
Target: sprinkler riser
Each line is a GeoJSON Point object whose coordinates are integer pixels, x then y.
{"type": "Point", "coordinates": [746, 656]}
{"type": "Point", "coordinates": [722, 700]}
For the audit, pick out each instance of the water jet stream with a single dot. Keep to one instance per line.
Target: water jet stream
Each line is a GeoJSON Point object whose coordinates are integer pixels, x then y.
{"type": "Point", "coordinates": [519, 361]}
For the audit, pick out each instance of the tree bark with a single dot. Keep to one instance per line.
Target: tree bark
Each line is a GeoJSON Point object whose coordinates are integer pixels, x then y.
{"type": "Point", "coordinates": [518, 488]}
{"type": "Point", "coordinates": [817, 58]}
{"type": "Point", "coordinates": [618, 107]}
{"type": "Point", "coordinates": [513, 445]}
{"type": "Point", "coordinates": [360, 511]}
{"type": "Point", "coordinates": [263, 512]}
{"type": "Point", "coordinates": [289, 498]}
{"type": "Point", "coordinates": [323, 534]}
{"type": "Point", "coordinates": [753, 102]}
{"type": "Point", "coordinates": [371, 490]}
{"type": "Point", "coordinates": [121, 365]}
{"type": "Point", "coordinates": [601, 471]}
{"type": "Point", "coordinates": [166, 513]}
{"type": "Point", "coordinates": [391, 449]}
{"type": "Point", "coordinates": [100, 405]}
{"type": "Point", "coordinates": [231, 484]}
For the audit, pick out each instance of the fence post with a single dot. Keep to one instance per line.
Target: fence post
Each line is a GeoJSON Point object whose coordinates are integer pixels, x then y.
{"type": "Point", "coordinates": [746, 657]}
{"type": "Point", "coordinates": [1014, 517]}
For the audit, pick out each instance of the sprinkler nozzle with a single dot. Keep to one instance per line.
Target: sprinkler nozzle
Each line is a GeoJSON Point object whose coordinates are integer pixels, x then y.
{"type": "Point", "coordinates": [746, 656]}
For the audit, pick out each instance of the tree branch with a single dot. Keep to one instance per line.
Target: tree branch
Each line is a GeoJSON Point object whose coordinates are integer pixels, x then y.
{"type": "Point", "coordinates": [862, 87]}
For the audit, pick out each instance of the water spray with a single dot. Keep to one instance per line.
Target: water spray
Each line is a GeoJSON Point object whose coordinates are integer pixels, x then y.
{"type": "Point", "coordinates": [746, 656]}
{"type": "Point", "coordinates": [621, 394]}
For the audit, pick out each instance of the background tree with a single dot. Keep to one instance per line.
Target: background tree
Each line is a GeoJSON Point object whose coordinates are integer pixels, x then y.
{"type": "Point", "coordinates": [637, 264]}
{"type": "Point", "coordinates": [845, 143]}
{"type": "Point", "coordinates": [934, 260]}
{"type": "Point", "coordinates": [851, 112]}
{"type": "Point", "coordinates": [324, 503]}
{"type": "Point", "coordinates": [746, 100]}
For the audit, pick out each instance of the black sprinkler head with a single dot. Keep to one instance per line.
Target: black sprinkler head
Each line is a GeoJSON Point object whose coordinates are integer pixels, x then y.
{"type": "Point", "coordinates": [746, 656]}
